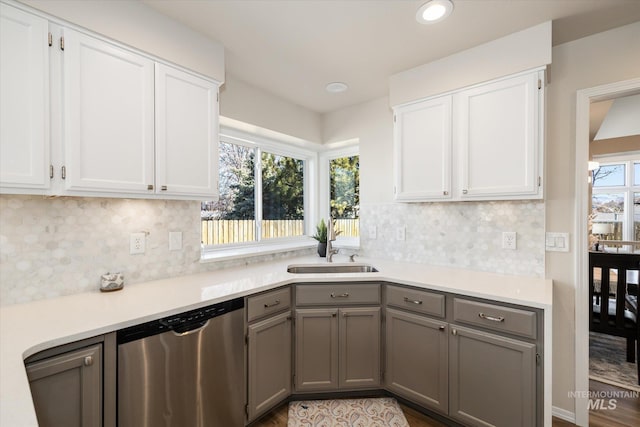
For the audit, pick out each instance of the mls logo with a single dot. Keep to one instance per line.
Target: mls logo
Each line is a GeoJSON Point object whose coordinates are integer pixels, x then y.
{"type": "Point", "coordinates": [597, 404]}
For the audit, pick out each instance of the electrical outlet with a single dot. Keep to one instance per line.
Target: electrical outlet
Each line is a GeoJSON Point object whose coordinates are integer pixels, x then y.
{"type": "Point", "coordinates": [137, 243]}
{"type": "Point", "coordinates": [373, 232]}
{"type": "Point", "coordinates": [509, 240]}
{"type": "Point", "coordinates": [401, 233]}
{"type": "Point", "coordinates": [175, 240]}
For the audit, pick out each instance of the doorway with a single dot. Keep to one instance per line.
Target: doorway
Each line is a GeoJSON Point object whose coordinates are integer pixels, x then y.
{"type": "Point", "coordinates": [583, 102]}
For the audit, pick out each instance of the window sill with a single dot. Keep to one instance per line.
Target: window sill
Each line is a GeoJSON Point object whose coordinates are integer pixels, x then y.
{"type": "Point", "coordinates": [225, 254]}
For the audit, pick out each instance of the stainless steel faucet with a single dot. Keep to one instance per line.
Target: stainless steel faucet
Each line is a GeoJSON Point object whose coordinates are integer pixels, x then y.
{"type": "Point", "coordinates": [331, 237]}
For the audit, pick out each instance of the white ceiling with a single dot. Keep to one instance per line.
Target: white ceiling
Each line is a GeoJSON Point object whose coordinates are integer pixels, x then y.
{"type": "Point", "coordinates": [293, 48]}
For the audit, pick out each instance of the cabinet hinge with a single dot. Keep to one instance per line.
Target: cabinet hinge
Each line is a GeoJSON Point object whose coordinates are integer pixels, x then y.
{"type": "Point", "coordinates": [538, 359]}
{"type": "Point", "coordinates": [246, 339]}
{"type": "Point", "coordinates": [63, 172]}
{"type": "Point", "coordinates": [394, 118]}
{"type": "Point", "coordinates": [294, 380]}
{"type": "Point", "coordinates": [539, 83]}
{"type": "Point", "coordinates": [62, 43]}
{"type": "Point", "coordinates": [394, 189]}
{"type": "Point", "coordinates": [50, 171]}
{"type": "Point", "coordinates": [246, 410]}
{"type": "Point", "coordinates": [217, 97]}
{"type": "Point", "coordinates": [50, 39]}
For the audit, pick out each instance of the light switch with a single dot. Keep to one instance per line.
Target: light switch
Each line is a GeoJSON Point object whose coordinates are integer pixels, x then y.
{"type": "Point", "coordinates": [557, 242]}
{"type": "Point", "coordinates": [175, 240]}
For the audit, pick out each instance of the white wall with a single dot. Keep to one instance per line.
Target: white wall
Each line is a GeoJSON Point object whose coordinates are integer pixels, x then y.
{"type": "Point", "coordinates": [249, 104]}
{"type": "Point", "coordinates": [603, 58]}
{"type": "Point", "coordinates": [524, 50]}
{"type": "Point", "coordinates": [137, 25]}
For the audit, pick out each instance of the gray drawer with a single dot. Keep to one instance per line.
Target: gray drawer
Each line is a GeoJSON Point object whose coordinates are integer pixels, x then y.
{"type": "Point", "coordinates": [496, 317]}
{"type": "Point", "coordinates": [270, 302]}
{"type": "Point", "coordinates": [416, 300]}
{"type": "Point", "coordinates": [337, 294]}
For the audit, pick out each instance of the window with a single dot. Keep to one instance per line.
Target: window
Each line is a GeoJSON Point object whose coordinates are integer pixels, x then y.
{"type": "Point", "coordinates": [344, 189]}
{"type": "Point", "coordinates": [263, 193]}
{"type": "Point", "coordinates": [615, 201]}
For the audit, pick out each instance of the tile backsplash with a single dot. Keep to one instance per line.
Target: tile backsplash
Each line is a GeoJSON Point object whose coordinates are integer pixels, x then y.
{"type": "Point", "coordinates": [58, 246]}
{"type": "Point", "coordinates": [459, 234]}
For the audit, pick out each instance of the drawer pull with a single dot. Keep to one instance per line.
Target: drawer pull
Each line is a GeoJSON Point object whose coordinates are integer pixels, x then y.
{"type": "Point", "coordinates": [412, 301]}
{"type": "Point", "coordinates": [344, 295]}
{"type": "Point", "coordinates": [273, 304]}
{"type": "Point", "coordinates": [492, 318]}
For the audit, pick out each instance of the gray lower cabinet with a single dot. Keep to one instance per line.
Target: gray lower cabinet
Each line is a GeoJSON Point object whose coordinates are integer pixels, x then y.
{"type": "Point", "coordinates": [492, 379]}
{"type": "Point", "coordinates": [316, 349]}
{"type": "Point", "coordinates": [67, 389]}
{"type": "Point", "coordinates": [417, 359]}
{"type": "Point", "coordinates": [269, 368]}
{"type": "Point", "coordinates": [337, 349]}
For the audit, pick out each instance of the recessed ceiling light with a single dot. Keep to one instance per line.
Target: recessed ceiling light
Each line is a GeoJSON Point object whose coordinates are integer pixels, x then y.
{"type": "Point", "coordinates": [336, 87]}
{"type": "Point", "coordinates": [434, 11]}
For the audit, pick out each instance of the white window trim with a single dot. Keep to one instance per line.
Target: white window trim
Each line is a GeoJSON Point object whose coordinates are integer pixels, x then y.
{"type": "Point", "coordinates": [628, 189]}
{"type": "Point", "coordinates": [347, 148]}
{"type": "Point", "coordinates": [212, 253]}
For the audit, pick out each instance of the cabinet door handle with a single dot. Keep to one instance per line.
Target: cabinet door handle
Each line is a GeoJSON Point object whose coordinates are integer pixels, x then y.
{"type": "Point", "coordinates": [163, 188]}
{"type": "Point", "coordinates": [273, 304]}
{"type": "Point", "coordinates": [412, 301]}
{"type": "Point", "coordinates": [441, 327]}
{"type": "Point", "coordinates": [445, 193]}
{"type": "Point", "coordinates": [344, 295]}
{"type": "Point", "coordinates": [88, 361]}
{"type": "Point", "coordinates": [454, 332]}
{"type": "Point", "coordinates": [464, 191]}
{"type": "Point", "coordinates": [150, 187]}
{"type": "Point", "coordinates": [344, 314]}
{"type": "Point", "coordinates": [492, 318]}
{"type": "Point", "coordinates": [50, 171]}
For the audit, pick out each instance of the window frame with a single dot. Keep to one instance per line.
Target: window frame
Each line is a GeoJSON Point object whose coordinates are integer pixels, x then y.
{"type": "Point", "coordinates": [347, 148]}
{"type": "Point", "coordinates": [628, 190]}
{"type": "Point", "coordinates": [262, 143]}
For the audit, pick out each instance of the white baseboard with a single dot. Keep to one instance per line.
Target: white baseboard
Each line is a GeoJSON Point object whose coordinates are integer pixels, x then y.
{"type": "Point", "coordinates": [564, 414]}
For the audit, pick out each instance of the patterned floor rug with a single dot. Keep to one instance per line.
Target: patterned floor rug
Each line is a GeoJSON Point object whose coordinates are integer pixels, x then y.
{"type": "Point", "coordinates": [608, 361]}
{"type": "Point", "coordinates": [381, 412]}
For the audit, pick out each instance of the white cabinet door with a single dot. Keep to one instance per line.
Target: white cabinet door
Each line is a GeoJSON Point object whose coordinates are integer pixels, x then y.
{"type": "Point", "coordinates": [498, 136]}
{"type": "Point", "coordinates": [24, 104]}
{"type": "Point", "coordinates": [422, 144]}
{"type": "Point", "coordinates": [108, 117]}
{"type": "Point", "coordinates": [186, 134]}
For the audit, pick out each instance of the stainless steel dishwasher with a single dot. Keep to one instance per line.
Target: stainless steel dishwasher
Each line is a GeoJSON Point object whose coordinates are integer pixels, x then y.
{"type": "Point", "coordinates": [185, 370]}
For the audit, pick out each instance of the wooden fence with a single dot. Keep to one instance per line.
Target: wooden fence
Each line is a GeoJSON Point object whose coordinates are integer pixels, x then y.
{"type": "Point", "coordinates": [220, 232]}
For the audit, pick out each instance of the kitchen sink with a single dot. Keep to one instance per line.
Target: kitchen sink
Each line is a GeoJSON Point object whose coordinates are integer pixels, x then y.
{"type": "Point", "coordinates": [331, 268]}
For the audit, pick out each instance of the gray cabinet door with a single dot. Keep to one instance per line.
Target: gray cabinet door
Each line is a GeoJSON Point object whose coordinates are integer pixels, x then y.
{"type": "Point", "coordinates": [67, 389]}
{"type": "Point", "coordinates": [417, 359]}
{"type": "Point", "coordinates": [269, 363]}
{"type": "Point", "coordinates": [316, 349]}
{"type": "Point", "coordinates": [492, 379]}
{"type": "Point", "coordinates": [359, 365]}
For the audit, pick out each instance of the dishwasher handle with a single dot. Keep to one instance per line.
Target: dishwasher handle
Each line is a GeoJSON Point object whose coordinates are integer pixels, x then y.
{"type": "Point", "coordinates": [189, 328]}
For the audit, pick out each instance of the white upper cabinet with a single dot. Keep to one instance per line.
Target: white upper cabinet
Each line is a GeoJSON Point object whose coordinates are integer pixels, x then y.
{"type": "Point", "coordinates": [186, 134]}
{"type": "Point", "coordinates": [108, 116]}
{"type": "Point", "coordinates": [423, 150]}
{"type": "Point", "coordinates": [481, 143]}
{"type": "Point", "coordinates": [498, 136]}
{"type": "Point", "coordinates": [82, 115]}
{"type": "Point", "coordinates": [24, 104]}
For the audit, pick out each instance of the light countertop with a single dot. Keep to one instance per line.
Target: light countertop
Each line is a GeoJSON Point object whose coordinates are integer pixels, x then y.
{"type": "Point", "coordinates": [26, 329]}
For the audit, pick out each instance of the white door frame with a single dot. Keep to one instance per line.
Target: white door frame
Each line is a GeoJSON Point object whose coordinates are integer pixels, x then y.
{"type": "Point", "coordinates": [581, 259]}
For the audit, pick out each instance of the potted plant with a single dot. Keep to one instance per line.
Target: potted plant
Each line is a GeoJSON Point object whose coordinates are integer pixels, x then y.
{"type": "Point", "coordinates": [321, 236]}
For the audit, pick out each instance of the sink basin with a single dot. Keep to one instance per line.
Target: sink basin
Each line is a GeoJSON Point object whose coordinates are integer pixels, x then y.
{"type": "Point", "coordinates": [331, 268]}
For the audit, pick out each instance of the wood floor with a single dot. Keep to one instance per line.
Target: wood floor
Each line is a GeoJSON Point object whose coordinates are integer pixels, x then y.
{"type": "Point", "coordinates": [626, 414]}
